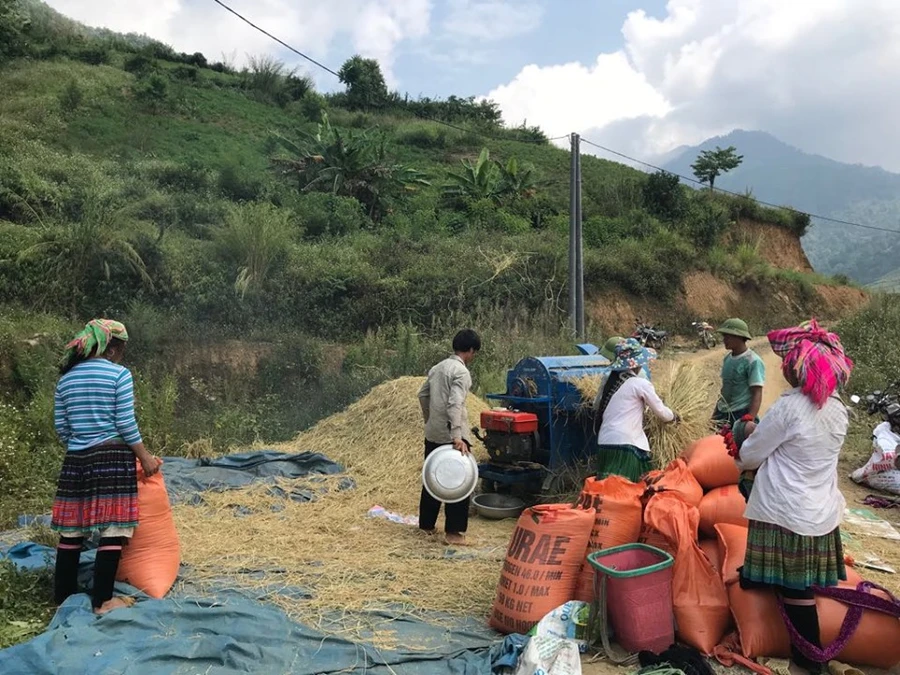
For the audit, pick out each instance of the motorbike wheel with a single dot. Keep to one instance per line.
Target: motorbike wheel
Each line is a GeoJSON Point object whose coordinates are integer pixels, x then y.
{"type": "Point", "coordinates": [708, 341]}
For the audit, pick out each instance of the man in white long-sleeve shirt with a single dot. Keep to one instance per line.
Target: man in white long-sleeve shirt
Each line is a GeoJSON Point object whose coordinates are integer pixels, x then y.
{"type": "Point", "coordinates": [443, 401]}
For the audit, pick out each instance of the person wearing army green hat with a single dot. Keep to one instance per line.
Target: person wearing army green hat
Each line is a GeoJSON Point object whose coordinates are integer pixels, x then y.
{"type": "Point", "coordinates": [608, 351]}
{"type": "Point", "coordinates": [743, 376]}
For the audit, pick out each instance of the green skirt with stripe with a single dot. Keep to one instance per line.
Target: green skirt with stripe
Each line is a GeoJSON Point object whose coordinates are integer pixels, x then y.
{"type": "Point", "coordinates": [627, 461]}
{"type": "Point", "coordinates": [779, 557]}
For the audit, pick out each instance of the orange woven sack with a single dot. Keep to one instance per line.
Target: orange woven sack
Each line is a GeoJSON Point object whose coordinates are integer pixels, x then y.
{"type": "Point", "coordinates": [710, 548]}
{"type": "Point", "coordinates": [676, 478]}
{"type": "Point", "coordinates": [722, 505]}
{"type": "Point", "coordinates": [653, 538]}
{"type": "Point", "coordinates": [648, 534]}
{"type": "Point", "coordinates": [542, 565]}
{"type": "Point", "coordinates": [151, 559]}
{"type": "Point", "coordinates": [709, 461]}
{"type": "Point", "coordinates": [616, 502]}
{"type": "Point", "coordinates": [732, 546]}
{"type": "Point", "coordinates": [698, 594]}
{"type": "Point", "coordinates": [875, 643]}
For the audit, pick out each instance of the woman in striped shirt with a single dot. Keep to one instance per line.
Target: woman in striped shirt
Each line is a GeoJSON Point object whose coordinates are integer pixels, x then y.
{"type": "Point", "coordinates": [97, 491]}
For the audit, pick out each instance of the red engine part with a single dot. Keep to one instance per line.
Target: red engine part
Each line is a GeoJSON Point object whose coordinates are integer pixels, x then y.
{"type": "Point", "coordinates": [509, 421]}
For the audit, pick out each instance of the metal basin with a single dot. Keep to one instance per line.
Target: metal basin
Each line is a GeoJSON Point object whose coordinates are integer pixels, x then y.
{"type": "Point", "coordinates": [495, 506]}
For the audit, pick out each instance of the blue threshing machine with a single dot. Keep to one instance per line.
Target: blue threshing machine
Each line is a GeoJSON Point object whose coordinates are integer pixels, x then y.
{"type": "Point", "coordinates": [542, 424]}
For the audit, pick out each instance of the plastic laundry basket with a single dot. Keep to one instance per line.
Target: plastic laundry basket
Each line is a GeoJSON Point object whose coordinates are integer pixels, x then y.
{"type": "Point", "coordinates": [638, 595]}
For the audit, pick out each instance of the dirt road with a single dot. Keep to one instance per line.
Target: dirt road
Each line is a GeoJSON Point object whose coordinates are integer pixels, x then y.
{"type": "Point", "coordinates": [711, 363]}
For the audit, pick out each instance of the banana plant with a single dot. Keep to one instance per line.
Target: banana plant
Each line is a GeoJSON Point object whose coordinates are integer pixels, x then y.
{"type": "Point", "coordinates": [491, 179]}
{"type": "Point", "coordinates": [517, 180]}
{"type": "Point", "coordinates": [349, 164]}
{"type": "Point", "coordinates": [477, 180]}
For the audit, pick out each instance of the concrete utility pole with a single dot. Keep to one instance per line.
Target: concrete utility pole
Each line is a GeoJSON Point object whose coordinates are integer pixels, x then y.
{"type": "Point", "coordinates": [576, 248]}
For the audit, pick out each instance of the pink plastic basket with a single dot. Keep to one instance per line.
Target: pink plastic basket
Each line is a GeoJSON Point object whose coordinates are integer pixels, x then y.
{"type": "Point", "coordinates": [638, 581]}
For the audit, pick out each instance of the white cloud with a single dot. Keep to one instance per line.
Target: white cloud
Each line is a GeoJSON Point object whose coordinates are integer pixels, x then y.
{"type": "Point", "coordinates": [595, 96]}
{"type": "Point", "coordinates": [492, 20]}
{"type": "Point", "coordinates": [374, 27]}
{"type": "Point", "coordinates": [818, 73]}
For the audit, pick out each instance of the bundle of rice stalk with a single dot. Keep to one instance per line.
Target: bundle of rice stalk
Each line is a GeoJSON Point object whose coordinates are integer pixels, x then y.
{"type": "Point", "coordinates": [683, 388]}
{"type": "Point", "coordinates": [587, 386]}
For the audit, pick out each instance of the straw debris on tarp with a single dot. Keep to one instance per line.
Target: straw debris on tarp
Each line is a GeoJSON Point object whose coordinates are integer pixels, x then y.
{"type": "Point", "coordinates": [329, 547]}
{"type": "Point", "coordinates": [682, 388]}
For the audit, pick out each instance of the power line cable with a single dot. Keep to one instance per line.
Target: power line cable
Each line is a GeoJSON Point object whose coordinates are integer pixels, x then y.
{"type": "Point", "coordinates": [737, 194]}
{"type": "Point", "coordinates": [281, 42]}
{"type": "Point", "coordinates": [417, 114]}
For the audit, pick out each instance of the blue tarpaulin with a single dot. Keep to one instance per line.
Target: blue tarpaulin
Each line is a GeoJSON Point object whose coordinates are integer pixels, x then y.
{"type": "Point", "coordinates": [193, 631]}
{"type": "Point", "coordinates": [233, 634]}
{"type": "Point", "coordinates": [185, 478]}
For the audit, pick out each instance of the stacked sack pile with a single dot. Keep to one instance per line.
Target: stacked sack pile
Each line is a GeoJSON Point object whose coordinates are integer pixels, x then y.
{"type": "Point", "coordinates": [694, 510]}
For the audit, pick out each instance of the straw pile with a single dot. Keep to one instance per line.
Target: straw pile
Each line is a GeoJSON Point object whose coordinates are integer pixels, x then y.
{"type": "Point", "coordinates": [346, 560]}
{"type": "Point", "coordinates": [379, 440]}
{"type": "Point", "coordinates": [683, 388]}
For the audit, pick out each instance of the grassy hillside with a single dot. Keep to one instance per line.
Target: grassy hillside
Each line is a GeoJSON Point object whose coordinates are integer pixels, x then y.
{"type": "Point", "coordinates": [776, 172]}
{"type": "Point", "coordinates": [275, 252]}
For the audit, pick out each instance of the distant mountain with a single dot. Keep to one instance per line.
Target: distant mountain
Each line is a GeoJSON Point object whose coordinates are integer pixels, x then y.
{"type": "Point", "coordinates": [777, 172]}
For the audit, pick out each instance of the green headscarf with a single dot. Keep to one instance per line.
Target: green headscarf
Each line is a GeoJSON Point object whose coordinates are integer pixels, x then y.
{"type": "Point", "coordinates": [94, 339]}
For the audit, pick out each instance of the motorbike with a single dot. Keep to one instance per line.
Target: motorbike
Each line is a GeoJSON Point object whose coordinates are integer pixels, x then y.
{"type": "Point", "coordinates": [882, 471]}
{"type": "Point", "coordinates": [706, 333]}
{"type": "Point", "coordinates": [884, 402]}
{"type": "Point", "coordinates": [649, 336]}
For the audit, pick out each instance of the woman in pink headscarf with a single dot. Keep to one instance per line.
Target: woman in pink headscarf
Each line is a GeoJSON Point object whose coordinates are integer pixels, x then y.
{"type": "Point", "coordinates": [795, 507]}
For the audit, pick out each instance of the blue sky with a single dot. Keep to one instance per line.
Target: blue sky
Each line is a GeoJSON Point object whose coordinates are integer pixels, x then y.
{"type": "Point", "coordinates": [567, 30]}
{"type": "Point", "coordinates": [641, 76]}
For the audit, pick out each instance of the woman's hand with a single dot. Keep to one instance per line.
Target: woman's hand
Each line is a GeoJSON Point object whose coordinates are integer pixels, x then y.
{"type": "Point", "coordinates": [150, 464]}
{"type": "Point", "coordinates": [749, 428]}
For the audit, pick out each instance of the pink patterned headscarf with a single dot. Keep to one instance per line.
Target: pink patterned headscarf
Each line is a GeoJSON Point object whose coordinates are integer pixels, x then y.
{"type": "Point", "coordinates": [815, 356]}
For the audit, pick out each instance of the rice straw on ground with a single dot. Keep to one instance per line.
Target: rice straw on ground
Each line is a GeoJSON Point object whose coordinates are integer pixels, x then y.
{"type": "Point", "coordinates": [346, 560]}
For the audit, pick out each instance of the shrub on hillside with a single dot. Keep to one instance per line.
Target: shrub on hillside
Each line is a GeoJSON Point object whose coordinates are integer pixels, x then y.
{"type": "Point", "coordinates": [486, 214]}
{"type": "Point", "coordinates": [238, 184]}
{"type": "Point", "coordinates": [311, 106]}
{"type": "Point", "coordinates": [664, 196]}
{"type": "Point", "coordinates": [189, 177]}
{"type": "Point", "coordinates": [152, 91]}
{"type": "Point", "coordinates": [93, 54]}
{"type": "Point", "coordinates": [424, 136]}
{"type": "Point", "coordinates": [197, 59]}
{"type": "Point", "coordinates": [295, 362]}
{"type": "Point", "coordinates": [868, 337]}
{"type": "Point", "coordinates": [270, 80]}
{"type": "Point", "coordinates": [256, 238]}
{"type": "Point", "coordinates": [37, 183]}
{"type": "Point", "coordinates": [186, 74]}
{"type": "Point", "coordinates": [13, 25]}
{"type": "Point", "coordinates": [138, 64]}
{"type": "Point", "coordinates": [650, 268]}
{"type": "Point", "coordinates": [705, 222]}
{"type": "Point", "coordinates": [326, 215]}
{"type": "Point", "coordinates": [71, 97]}
{"type": "Point", "coordinates": [295, 88]}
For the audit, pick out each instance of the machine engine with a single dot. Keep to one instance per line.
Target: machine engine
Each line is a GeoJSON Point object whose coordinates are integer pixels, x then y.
{"type": "Point", "coordinates": [511, 436]}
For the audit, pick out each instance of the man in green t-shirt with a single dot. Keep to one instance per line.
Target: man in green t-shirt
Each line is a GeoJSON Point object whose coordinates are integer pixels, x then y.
{"type": "Point", "coordinates": [743, 375]}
